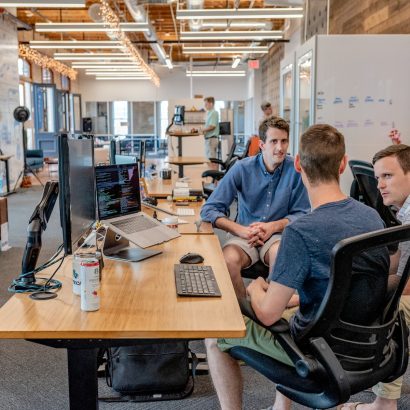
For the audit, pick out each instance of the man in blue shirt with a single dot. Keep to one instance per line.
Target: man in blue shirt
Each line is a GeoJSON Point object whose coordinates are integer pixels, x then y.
{"type": "Point", "coordinates": [303, 264]}
{"type": "Point", "coordinates": [270, 194]}
{"type": "Point", "coordinates": [211, 129]}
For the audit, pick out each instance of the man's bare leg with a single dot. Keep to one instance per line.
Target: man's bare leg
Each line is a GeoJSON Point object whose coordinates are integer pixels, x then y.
{"type": "Point", "coordinates": [271, 254]}
{"type": "Point", "coordinates": [379, 404]}
{"type": "Point", "coordinates": [226, 376]}
{"type": "Point", "coordinates": [236, 259]}
{"type": "Point", "coordinates": [282, 402]}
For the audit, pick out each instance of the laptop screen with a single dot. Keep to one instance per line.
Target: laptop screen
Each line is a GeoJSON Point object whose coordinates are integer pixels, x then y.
{"type": "Point", "coordinates": [118, 190]}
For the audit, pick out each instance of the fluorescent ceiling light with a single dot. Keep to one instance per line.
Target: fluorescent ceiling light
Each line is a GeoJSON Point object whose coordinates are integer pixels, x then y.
{"type": "Point", "coordinates": [236, 62]}
{"type": "Point", "coordinates": [224, 24]}
{"type": "Point", "coordinates": [231, 35]}
{"type": "Point", "coordinates": [246, 13]}
{"type": "Point", "coordinates": [104, 66]}
{"type": "Point", "coordinates": [90, 57]}
{"type": "Point", "coordinates": [114, 70]}
{"type": "Point", "coordinates": [45, 4]}
{"type": "Point", "coordinates": [128, 73]}
{"type": "Point", "coordinates": [225, 50]}
{"type": "Point", "coordinates": [92, 54]}
{"type": "Point", "coordinates": [75, 44]}
{"type": "Point", "coordinates": [122, 78]}
{"type": "Point", "coordinates": [213, 73]}
{"type": "Point", "coordinates": [168, 62]}
{"type": "Point", "coordinates": [74, 27]}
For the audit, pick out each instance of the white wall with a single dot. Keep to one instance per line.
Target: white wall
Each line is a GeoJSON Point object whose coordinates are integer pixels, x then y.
{"type": "Point", "coordinates": [174, 85]}
{"type": "Point", "coordinates": [11, 141]}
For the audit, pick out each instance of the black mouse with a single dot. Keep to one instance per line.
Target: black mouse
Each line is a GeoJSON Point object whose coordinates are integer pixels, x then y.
{"type": "Point", "coordinates": [191, 258]}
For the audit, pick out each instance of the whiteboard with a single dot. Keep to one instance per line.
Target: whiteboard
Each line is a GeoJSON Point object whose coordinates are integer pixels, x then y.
{"type": "Point", "coordinates": [363, 89]}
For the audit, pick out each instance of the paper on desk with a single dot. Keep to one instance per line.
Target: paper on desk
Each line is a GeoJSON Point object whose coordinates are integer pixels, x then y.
{"type": "Point", "coordinates": [181, 192]}
{"type": "Point", "coordinates": [182, 221]}
{"type": "Point", "coordinates": [179, 184]}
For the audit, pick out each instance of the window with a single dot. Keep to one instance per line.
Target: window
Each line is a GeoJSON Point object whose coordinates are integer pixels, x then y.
{"type": "Point", "coordinates": [46, 76]}
{"type": "Point", "coordinates": [120, 117]}
{"type": "Point", "coordinates": [65, 83]}
{"type": "Point", "coordinates": [24, 68]}
{"type": "Point", "coordinates": [163, 117]}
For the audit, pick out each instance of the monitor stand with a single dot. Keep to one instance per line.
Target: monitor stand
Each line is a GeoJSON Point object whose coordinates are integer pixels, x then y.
{"type": "Point", "coordinates": [117, 247]}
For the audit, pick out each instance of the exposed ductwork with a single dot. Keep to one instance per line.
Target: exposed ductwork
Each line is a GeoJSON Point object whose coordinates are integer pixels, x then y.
{"type": "Point", "coordinates": [139, 14]}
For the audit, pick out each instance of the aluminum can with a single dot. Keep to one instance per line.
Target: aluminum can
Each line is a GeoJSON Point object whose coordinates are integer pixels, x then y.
{"type": "Point", "coordinates": [77, 259]}
{"type": "Point", "coordinates": [90, 284]}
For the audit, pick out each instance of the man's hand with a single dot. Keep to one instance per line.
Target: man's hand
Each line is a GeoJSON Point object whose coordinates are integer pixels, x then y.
{"type": "Point", "coordinates": [293, 302]}
{"type": "Point", "coordinates": [264, 230]}
{"type": "Point", "coordinates": [256, 286]}
{"type": "Point", "coordinates": [248, 233]}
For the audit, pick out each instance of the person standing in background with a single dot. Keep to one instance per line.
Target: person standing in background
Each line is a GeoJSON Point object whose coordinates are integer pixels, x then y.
{"type": "Point", "coordinates": [211, 129]}
{"type": "Point", "coordinates": [267, 110]}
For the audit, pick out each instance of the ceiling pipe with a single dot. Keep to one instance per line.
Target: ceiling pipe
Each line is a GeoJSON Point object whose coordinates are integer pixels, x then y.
{"type": "Point", "coordinates": [139, 14]}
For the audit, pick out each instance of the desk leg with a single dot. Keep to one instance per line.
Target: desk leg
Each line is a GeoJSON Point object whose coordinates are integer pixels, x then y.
{"type": "Point", "coordinates": [180, 171]}
{"type": "Point", "coordinates": [179, 146]}
{"type": "Point", "coordinates": [7, 176]}
{"type": "Point", "coordinates": [82, 379]}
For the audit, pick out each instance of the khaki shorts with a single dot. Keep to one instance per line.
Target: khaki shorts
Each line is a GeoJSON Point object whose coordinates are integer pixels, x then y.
{"type": "Point", "coordinates": [211, 146]}
{"type": "Point", "coordinates": [255, 253]}
{"type": "Point", "coordinates": [259, 339]}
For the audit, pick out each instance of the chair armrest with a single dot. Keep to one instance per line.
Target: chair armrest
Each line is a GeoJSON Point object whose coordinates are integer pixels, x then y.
{"type": "Point", "coordinates": [216, 161]}
{"type": "Point", "coordinates": [35, 153]}
{"type": "Point", "coordinates": [213, 174]}
{"type": "Point", "coordinates": [305, 366]}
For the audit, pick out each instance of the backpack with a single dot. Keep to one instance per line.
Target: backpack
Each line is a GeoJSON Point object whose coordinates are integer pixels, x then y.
{"type": "Point", "coordinates": [151, 371]}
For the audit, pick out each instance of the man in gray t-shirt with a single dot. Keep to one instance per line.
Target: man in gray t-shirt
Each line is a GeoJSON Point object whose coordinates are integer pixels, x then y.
{"type": "Point", "coordinates": [303, 264]}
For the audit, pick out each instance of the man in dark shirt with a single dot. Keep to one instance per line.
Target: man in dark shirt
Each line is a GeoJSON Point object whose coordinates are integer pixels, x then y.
{"type": "Point", "coordinates": [303, 264]}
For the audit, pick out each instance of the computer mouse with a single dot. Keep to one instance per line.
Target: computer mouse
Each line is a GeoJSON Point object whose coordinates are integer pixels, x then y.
{"type": "Point", "coordinates": [191, 258]}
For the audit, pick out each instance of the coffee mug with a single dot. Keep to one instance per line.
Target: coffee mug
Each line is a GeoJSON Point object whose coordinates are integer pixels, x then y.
{"type": "Point", "coordinates": [171, 221]}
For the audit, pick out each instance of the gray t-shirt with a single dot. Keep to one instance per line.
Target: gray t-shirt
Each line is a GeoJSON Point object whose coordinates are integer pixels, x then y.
{"type": "Point", "coordinates": [304, 258]}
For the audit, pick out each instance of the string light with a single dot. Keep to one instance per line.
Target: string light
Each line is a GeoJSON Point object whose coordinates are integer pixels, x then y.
{"type": "Point", "coordinates": [113, 21]}
{"type": "Point", "coordinates": [46, 62]}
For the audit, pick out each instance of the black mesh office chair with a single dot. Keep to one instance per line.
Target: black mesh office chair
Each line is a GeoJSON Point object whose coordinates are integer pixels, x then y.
{"type": "Point", "coordinates": [354, 188]}
{"type": "Point", "coordinates": [208, 188]}
{"type": "Point", "coordinates": [225, 164]}
{"type": "Point", "coordinates": [370, 195]}
{"type": "Point", "coordinates": [334, 359]}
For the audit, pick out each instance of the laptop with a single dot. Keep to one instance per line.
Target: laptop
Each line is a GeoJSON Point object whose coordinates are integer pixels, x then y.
{"type": "Point", "coordinates": [119, 206]}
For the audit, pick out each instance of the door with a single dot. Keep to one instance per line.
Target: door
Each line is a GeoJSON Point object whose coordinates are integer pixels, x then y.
{"type": "Point", "coordinates": [45, 119]}
{"type": "Point", "coordinates": [62, 111]}
{"type": "Point", "coordinates": [76, 126]}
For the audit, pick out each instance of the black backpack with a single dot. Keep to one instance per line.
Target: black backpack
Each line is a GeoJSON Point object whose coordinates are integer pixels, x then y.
{"type": "Point", "coordinates": [151, 372]}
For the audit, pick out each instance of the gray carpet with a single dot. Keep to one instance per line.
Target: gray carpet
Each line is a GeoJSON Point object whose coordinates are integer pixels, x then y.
{"type": "Point", "coordinates": [34, 377]}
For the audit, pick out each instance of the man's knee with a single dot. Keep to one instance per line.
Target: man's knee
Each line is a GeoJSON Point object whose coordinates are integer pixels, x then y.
{"type": "Point", "coordinates": [272, 253]}
{"type": "Point", "coordinates": [235, 257]}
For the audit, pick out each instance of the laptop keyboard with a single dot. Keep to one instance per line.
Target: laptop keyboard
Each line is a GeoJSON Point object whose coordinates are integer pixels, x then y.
{"type": "Point", "coordinates": [134, 224]}
{"type": "Point", "coordinates": [195, 280]}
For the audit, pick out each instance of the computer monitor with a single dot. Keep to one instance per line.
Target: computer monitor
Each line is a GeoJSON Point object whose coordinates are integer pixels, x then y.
{"type": "Point", "coordinates": [77, 188]}
{"type": "Point", "coordinates": [225, 128]}
{"type": "Point", "coordinates": [179, 115]}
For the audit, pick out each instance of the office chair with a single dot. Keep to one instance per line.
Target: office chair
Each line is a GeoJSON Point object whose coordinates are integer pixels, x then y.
{"type": "Point", "coordinates": [208, 188]}
{"type": "Point", "coordinates": [367, 186]}
{"type": "Point", "coordinates": [335, 359]}
{"type": "Point", "coordinates": [225, 164]}
{"type": "Point", "coordinates": [354, 188]}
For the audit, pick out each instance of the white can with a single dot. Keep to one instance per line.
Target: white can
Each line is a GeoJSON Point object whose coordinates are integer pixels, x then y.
{"type": "Point", "coordinates": [90, 284]}
{"type": "Point", "coordinates": [77, 259]}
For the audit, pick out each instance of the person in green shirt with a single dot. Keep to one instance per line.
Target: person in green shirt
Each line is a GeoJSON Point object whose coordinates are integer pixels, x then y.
{"type": "Point", "coordinates": [211, 129]}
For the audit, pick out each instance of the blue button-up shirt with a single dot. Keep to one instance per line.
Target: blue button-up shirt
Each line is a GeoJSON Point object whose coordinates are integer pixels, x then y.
{"type": "Point", "coordinates": [262, 196]}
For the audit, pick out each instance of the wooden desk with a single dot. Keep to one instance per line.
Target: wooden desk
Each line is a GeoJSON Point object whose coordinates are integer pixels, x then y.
{"type": "Point", "coordinates": [181, 135]}
{"type": "Point", "coordinates": [138, 300]}
{"type": "Point", "coordinates": [182, 161]}
{"type": "Point", "coordinates": [162, 188]}
{"type": "Point", "coordinates": [184, 229]}
{"type": "Point", "coordinates": [5, 159]}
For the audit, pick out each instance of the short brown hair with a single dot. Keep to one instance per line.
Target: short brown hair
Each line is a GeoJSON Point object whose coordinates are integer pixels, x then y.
{"type": "Point", "coordinates": [400, 151]}
{"type": "Point", "coordinates": [321, 150]}
{"type": "Point", "coordinates": [272, 122]}
{"type": "Point", "coordinates": [210, 99]}
{"type": "Point", "coordinates": [265, 104]}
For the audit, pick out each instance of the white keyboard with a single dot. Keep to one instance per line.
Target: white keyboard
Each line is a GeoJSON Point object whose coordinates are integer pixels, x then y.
{"type": "Point", "coordinates": [185, 212]}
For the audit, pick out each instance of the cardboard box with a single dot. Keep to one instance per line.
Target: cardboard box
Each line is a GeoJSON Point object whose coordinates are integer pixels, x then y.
{"type": "Point", "coordinates": [4, 225]}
